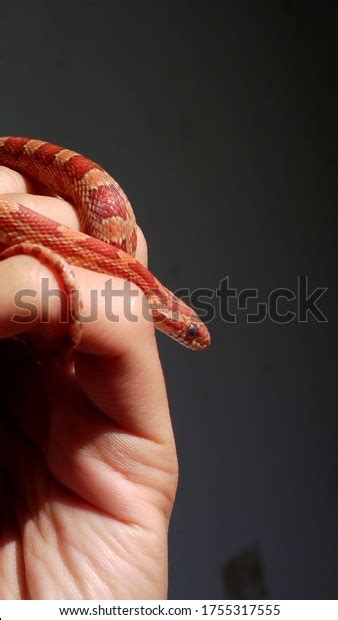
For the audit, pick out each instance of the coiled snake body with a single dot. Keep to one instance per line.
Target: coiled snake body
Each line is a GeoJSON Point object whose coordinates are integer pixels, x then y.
{"type": "Point", "coordinates": [107, 243]}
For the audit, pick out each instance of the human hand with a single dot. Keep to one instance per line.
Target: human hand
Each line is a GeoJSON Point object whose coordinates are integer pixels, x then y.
{"type": "Point", "coordinates": [88, 461]}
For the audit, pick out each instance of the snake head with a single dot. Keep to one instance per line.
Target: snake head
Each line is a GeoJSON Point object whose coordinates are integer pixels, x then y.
{"type": "Point", "coordinates": [178, 321]}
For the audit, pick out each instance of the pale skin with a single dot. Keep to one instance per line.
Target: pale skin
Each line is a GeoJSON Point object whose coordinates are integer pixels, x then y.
{"type": "Point", "coordinates": [87, 455]}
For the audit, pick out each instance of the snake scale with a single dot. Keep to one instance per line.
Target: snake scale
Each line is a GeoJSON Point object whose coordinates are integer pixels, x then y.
{"type": "Point", "coordinates": [106, 243]}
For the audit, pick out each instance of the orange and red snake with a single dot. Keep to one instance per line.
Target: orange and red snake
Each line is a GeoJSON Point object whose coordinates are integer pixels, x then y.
{"type": "Point", "coordinates": [106, 244]}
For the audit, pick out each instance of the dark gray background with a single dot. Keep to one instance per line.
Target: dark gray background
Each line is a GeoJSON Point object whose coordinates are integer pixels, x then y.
{"type": "Point", "coordinates": [219, 120]}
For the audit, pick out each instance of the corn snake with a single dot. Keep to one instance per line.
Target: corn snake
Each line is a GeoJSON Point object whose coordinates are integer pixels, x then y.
{"type": "Point", "coordinates": [106, 243]}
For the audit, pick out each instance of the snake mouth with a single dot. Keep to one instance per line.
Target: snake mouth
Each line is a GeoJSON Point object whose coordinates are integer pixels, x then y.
{"type": "Point", "coordinates": [195, 345]}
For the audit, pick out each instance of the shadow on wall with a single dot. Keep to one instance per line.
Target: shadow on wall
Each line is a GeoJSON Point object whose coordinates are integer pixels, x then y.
{"type": "Point", "coordinates": [244, 575]}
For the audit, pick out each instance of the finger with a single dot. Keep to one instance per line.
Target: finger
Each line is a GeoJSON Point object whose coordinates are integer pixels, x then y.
{"type": "Point", "coordinates": [117, 368]}
{"type": "Point", "coordinates": [117, 327]}
{"type": "Point", "coordinates": [110, 413]}
{"type": "Point", "coordinates": [117, 363]}
{"type": "Point", "coordinates": [16, 187]}
{"type": "Point", "coordinates": [65, 213]}
{"type": "Point", "coordinates": [12, 181]}
{"type": "Point", "coordinates": [55, 208]}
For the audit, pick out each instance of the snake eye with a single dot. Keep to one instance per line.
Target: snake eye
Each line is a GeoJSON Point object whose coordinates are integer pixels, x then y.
{"type": "Point", "coordinates": [192, 331]}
